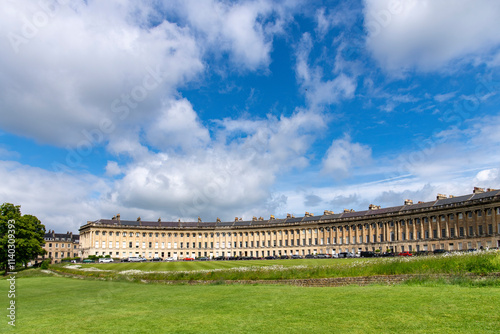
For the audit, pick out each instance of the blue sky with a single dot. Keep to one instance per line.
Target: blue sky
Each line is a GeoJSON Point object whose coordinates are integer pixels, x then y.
{"type": "Point", "coordinates": [186, 109]}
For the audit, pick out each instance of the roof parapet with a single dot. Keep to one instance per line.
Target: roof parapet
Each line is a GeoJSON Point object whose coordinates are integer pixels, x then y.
{"type": "Point", "coordinates": [327, 212]}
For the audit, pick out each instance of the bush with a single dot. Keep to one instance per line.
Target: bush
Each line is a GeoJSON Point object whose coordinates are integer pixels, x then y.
{"type": "Point", "coordinates": [45, 264]}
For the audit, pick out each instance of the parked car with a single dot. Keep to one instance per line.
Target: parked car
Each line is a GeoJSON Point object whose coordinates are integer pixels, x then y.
{"type": "Point", "coordinates": [295, 256]}
{"type": "Point", "coordinates": [345, 255]}
{"type": "Point", "coordinates": [367, 254]}
{"type": "Point", "coordinates": [88, 261]}
{"type": "Point", "coordinates": [203, 258]}
{"type": "Point", "coordinates": [421, 253]}
{"type": "Point", "coordinates": [309, 256]}
{"type": "Point", "coordinates": [156, 259]}
{"type": "Point", "coordinates": [283, 257]}
{"type": "Point", "coordinates": [322, 256]}
{"type": "Point", "coordinates": [439, 251]}
{"type": "Point", "coordinates": [134, 259]}
{"type": "Point", "coordinates": [188, 259]}
{"type": "Point", "coordinates": [105, 260]}
{"type": "Point", "coordinates": [270, 257]}
{"type": "Point", "coordinates": [169, 259]}
{"type": "Point", "coordinates": [405, 254]}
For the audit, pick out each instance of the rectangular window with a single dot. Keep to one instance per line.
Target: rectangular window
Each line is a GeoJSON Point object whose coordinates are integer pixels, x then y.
{"type": "Point", "coordinates": [461, 231]}
{"type": "Point", "coordinates": [411, 235]}
{"type": "Point", "coordinates": [460, 215]}
{"type": "Point", "coordinates": [434, 234]}
{"type": "Point", "coordinates": [480, 229]}
{"type": "Point", "coordinates": [471, 231]}
{"type": "Point", "coordinates": [490, 228]}
{"type": "Point", "coordinates": [97, 244]}
{"type": "Point", "coordinates": [419, 235]}
{"type": "Point", "coordinates": [143, 244]}
{"type": "Point", "coordinates": [443, 233]}
{"type": "Point", "coordinates": [104, 244]}
{"type": "Point", "coordinates": [111, 244]}
{"type": "Point", "coordinates": [427, 234]}
{"type": "Point", "coordinates": [403, 236]}
{"type": "Point", "coordinates": [137, 244]}
{"type": "Point", "coordinates": [156, 244]}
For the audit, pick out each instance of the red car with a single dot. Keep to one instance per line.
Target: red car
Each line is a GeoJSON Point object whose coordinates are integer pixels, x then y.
{"type": "Point", "coordinates": [188, 259]}
{"type": "Point", "coordinates": [405, 254]}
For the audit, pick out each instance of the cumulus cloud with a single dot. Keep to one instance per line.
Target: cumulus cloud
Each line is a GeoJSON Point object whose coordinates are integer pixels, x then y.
{"type": "Point", "coordinates": [244, 30]}
{"type": "Point", "coordinates": [429, 35]}
{"type": "Point", "coordinates": [177, 126]}
{"type": "Point", "coordinates": [89, 66]}
{"type": "Point", "coordinates": [343, 156]}
{"type": "Point", "coordinates": [217, 178]}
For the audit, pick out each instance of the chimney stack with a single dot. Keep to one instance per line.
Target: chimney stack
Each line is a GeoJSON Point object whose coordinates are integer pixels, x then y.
{"type": "Point", "coordinates": [408, 202]}
{"type": "Point", "coordinates": [478, 190]}
{"type": "Point", "coordinates": [441, 196]}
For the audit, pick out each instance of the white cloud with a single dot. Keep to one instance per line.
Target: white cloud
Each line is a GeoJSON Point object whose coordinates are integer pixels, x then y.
{"type": "Point", "coordinates": [61, 201]}
{"type": "Point", "coordinates": [245, 30]}
{"type": "Point", "coordinates": [343, 156]}
{"type": "Point", "coordinates": [177, 126]}
{"type": "Point", "coordinates": [112, 168]}
{"type": "Point", "coordinates": [90, 64]}
{"type": "Point", "coordinates": [319, 91]}
{"type": "Point", "coordinates": [429, 35]}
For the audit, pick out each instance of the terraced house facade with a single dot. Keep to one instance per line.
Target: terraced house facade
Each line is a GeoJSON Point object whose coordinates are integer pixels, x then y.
{"type": "Point", "coordinates": [60, 245]}
{"type": "Point", "coordinates": [449, 223]}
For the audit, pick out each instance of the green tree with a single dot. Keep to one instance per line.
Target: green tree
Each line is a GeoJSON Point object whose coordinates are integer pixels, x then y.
{"type": "Point", "coordinates": [28, 234]}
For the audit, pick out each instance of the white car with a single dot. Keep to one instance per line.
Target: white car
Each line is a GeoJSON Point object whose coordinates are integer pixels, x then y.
{"type": "Point", "coordinates": [169, 259]}
{"type": "Point", "coordinates": [105, 260]}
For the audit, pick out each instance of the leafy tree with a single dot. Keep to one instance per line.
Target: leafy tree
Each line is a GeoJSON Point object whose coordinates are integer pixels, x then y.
{"type": "Point", "coordinates": [28, 232]}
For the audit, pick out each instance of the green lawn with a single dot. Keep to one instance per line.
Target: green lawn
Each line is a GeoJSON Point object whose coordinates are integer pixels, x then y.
{"type": "Point", "coordinates": [457, 265]}
{"type": "Point", "coordinates": [63, 305]}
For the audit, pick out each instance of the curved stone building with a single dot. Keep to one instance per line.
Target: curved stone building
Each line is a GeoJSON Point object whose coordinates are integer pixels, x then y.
{"type": "Point", "coordinates": [450, 223]}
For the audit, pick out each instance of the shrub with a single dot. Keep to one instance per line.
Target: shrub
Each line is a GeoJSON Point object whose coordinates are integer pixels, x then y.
{"type": "Point", "coordinates": [45, 264]}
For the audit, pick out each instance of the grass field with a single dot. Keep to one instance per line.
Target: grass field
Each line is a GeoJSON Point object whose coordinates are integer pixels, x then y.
{"type": "Point", "coordinates": [63, 305]}
{"type": "Point", "coordinates": [459, 265]}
